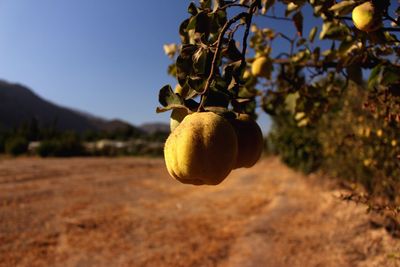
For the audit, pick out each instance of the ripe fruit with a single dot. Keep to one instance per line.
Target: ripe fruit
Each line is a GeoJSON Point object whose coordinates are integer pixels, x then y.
{"type": "Point", "coordinates": [262, 67]}
{"type": "Point", "coordinates": [201, 150]}
{"type": "Point", "coordinates": [365, 17]}
{"type": "Point", "coordinates": [250, 141]}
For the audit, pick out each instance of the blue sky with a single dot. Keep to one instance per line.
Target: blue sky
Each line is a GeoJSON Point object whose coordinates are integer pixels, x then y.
{"type": "Point", "coordinates": [101, 56]}
{"type": "Point", "coordinates": [104, 57]}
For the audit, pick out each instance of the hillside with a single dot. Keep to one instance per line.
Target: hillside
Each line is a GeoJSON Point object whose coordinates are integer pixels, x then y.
{"type": "Point", "coordinates": [19, 104]}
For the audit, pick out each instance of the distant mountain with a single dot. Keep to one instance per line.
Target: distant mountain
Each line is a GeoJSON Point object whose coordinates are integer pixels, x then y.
{"type": "Point", "coordinates": [155, 127]}
{"type": "Point", "coordinates": [19, 104]}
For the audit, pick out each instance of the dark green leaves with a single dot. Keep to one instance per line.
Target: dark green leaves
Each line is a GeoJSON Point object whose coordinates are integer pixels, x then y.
{"type": "Point", "coordinates": [298, 22]}
{"type": "Point", "coordinates": [384, 75]}
{"type": "Point", "coordinates": [167, 97]}
{"type": "Point", "coordinates": [169, 100]}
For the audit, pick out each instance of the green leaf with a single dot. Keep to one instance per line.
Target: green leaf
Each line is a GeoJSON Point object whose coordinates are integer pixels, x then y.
{"type": "Point", "coordinates": [390, 75]}
{"type": "Point", "coordinates": [334, 31]}
{"type": "Point", "coordinates": [192, 9]}
{"type": "Point", "coordinates": [312, 34]}
{"type": "Point", "coordinates": [291, 7]}
{"type": "Point", "coordinates": [290, 102]}
{"type": "Point", "coordinates": [232, 52]}
{"type": "Point", "coordinates": [184, 63]}
{"type": "Point", "coordinates": [301, 56]}
{"type": "Point", "coordinates": [345, 46]}
{"type": "Point", "coordinates": [301, 42]}
{"type": "Point", "coordinates": [217, 98]}
{"type": "Point", "coordinates": [298, 22]}
{"type": "Point", "coordinates": [183, 32]}
{"type": "Point", "coordinates": [167, 97]}
{"type": "Point", "coordinates": [375, 76]}
{"type": "Point", "coordinates": [316, 54]}
{"type": "Point", "coordinates": [201, 62]}
{"type": "Point", "coordinates": [197, 84]}
{"type": "Point", "coordinates": [267, 4]}
{"type": "Point", "coordinates": [205, 4]}
{"type": "Point", "coordinates": [169, 107]}
{"type": "Point", "coordinates": [343, 8]}
{"type": "Point", "coordinates": [354, 72]}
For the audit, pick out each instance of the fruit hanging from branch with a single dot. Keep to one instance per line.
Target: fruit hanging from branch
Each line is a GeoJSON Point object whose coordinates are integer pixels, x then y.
{"type": "Point", "coordinates": [250, 141]}
{"type": "Point", "coordinates": [366, 17]}
{"type": "Point", "coordinates": [202, 149]}
{"type": "Point", "coordinates": [228, 66]}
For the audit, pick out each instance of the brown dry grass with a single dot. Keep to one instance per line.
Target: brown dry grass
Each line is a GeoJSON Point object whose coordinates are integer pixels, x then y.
{"type": "Point", "coordinates": [129, 212]}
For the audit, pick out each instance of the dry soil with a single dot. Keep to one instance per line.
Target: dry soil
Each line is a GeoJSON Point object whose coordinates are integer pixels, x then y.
{"type": "Point", "coordinates": [129, 212]}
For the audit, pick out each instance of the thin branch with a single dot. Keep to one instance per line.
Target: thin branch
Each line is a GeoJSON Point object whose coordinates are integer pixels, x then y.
{"type": "Point", "coordinates": [252, 9]}
{"type": "Point", "coordinates": [323, 65]}
{"type": "Point", "coordinates": [232, 5]}
{"type": "Point", "coordinates": [218, 51]}
{"type": "Point", "coordinates": [216, 54]}
{"type": "Point", "coordinates": [233, 31]}
{"type": "Point", "coordinates": [387, 16]}
{"type": "Point", "coordinates": [276, 17]}
{"type": "Point", "coordinates": [343, 18]}
{"type": "Point", "coordinates": [391, 29]}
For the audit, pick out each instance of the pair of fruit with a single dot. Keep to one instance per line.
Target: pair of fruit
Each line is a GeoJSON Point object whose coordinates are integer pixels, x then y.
{"type": "Point", "coordinates": [205, 147]}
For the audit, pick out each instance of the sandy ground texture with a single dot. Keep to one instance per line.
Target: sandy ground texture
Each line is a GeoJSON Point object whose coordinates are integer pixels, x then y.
{"type": "Point", "coordinates": [129, 212]}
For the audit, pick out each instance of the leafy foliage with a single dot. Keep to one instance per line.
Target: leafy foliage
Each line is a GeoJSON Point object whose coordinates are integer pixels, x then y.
{"type": "Point", "coordinates": [67, 145]}
{"type": "Point", "coordinates": [16, 146]}
{"type": "Point", "coordinates": [304, 88]}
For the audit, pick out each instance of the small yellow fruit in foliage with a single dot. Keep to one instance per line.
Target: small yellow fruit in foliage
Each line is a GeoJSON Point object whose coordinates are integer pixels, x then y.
{"type": "Point", "coordinates": [367, 162]}
{"type": "Point", "coordinates": [177, 117]}
{"type": "Point", "coordinates": [365, 18]}
{"type": "Point", "coordinates": [262, 67]}
{"type": "Point", "coordinates": [250, 141]}
{"type": "Point", "coordinates": [201, 150]}
{"type": "Point", "coordinates": [394, 142]}
{"type": "Point", "coordinates": [379, 133]}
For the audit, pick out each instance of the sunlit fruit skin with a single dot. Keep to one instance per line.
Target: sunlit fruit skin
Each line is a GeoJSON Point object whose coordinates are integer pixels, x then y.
{"type": "Point", "coordinates": [365, 18]}
{"type": "Point", "coordinates": [177, 117]}
{"type": "Point", "coordinates": [201, 150]}
{"type": "Point", "coordinates": [250, 141]}
{"type": "Point", "coordinates": [261, 67]}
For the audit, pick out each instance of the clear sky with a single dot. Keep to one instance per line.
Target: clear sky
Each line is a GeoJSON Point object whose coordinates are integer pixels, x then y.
{"type": "Point", "coordinates": [104, 57]}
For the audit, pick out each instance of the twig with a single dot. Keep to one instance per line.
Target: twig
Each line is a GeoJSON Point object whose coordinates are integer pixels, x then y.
{"type": "Point", "coordinates": [387, 16]}
{"type": "Point", "coordinates": [391, 29]}
{"type": "Point", "coordinates": [246, 34]}
{"type": "Point", "coordinates": [276, 17]}
{"type": "Point", "coordinates": [343, 18]}
{"type": "Point", "coordinates": [232, 5]}
{"type": "Point", "coordinates": [214, 61]}
{"type": "Point", "coordinates": [217, 52]}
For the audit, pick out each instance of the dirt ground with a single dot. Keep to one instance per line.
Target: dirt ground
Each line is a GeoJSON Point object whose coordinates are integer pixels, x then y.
{"type": "Point", "coordinates": [129, 212]}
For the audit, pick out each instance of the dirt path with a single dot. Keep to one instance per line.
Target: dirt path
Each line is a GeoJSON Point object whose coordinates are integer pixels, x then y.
{"type": "Point", "coordinates": [129, 212]}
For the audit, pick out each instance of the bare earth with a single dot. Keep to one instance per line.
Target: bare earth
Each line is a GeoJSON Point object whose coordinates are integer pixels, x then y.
{"type": "Point", "coordinates": [129, 212]}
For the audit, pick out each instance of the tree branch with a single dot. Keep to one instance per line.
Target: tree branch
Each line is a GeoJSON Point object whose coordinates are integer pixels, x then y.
{"type": "Point", "coordinates": [391, 29]}
{"type": "Point", "coordinates": [246, 34]}
{"type": "Point", "coordinates": [214, 66]}
{"type": "Point", "coordinates": [276, 17]}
